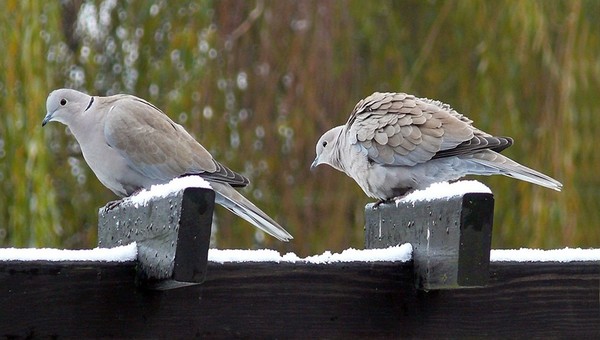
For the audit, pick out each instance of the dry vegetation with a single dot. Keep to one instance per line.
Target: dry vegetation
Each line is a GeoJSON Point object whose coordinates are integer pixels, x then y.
{"type": "Point", "coordinates": [258, 82]}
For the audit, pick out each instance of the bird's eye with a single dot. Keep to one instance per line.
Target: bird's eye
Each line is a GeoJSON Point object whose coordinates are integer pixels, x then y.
{"type": "Point", "coordinates": [324, 143]}
{"type": "Point", "coordinates": [63, 102]}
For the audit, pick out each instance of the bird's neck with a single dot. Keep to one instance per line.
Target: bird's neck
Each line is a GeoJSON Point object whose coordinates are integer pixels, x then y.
{"type": "Point", "coordinates": [336, 155]}
{"type": "Point", "coordinates": [83, 128]}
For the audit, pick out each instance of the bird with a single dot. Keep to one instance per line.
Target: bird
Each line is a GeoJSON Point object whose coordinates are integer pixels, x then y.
{"type": "Point", "coordinates": [130, 145]}
{"type": "Point", "coordinates": [396, 143]}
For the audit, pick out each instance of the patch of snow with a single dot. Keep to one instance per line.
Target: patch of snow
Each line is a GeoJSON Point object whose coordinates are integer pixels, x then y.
{"type": "Point", "coordinates": [164, 190]}
{"type": "Point", "coordinates": [243, 255]}
{"type": "Point", "coordinates": [444, 190]}
{"type": "Point", "coordinates": [542, 255]}
{"type": "Point", "coordinates": [117, 254]}
{"type": "Point", "coordinates": [400, 253]}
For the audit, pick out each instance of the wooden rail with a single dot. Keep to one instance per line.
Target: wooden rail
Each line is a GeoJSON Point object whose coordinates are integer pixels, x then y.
{"type": "Point", "coordinates": [287, 300]}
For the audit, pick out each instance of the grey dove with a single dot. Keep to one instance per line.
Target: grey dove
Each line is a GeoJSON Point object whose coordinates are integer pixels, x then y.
{"type": "Point", "coordinates": [394, 143]}
{"type": "Point", "coordinates": [131, 145]}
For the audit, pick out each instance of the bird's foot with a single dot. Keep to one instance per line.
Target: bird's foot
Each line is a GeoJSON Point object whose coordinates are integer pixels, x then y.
{"type": "Point", "coordinates": [380, 202]}
{"type": "Point", "coordinates": [402, 195]}
{"type": "Point", "coordinates": [111, 205]}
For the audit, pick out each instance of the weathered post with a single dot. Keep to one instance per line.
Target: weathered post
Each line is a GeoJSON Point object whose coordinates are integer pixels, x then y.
{"type": "Point", "coordinates": [172, 235]}
{"type": "Point", "coordinates": [451, 237]}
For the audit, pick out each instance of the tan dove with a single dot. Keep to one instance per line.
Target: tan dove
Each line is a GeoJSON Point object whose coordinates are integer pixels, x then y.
{"type": "Point", "coordinates": [131, 145]}
{"type": "Point", "coordinates": [394, 143]}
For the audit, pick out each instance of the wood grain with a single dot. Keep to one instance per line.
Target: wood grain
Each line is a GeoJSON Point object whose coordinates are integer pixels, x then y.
{"type": "Point", "coordinates": [285, 300]}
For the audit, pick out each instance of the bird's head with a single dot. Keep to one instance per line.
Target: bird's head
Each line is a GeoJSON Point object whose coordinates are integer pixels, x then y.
{"type": "Point", "coordinates": [64, 105]}
{"type": "Point", "coordinates": [326, 149]}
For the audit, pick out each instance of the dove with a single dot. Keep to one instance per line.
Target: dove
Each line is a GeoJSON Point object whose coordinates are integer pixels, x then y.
{"type": "Point", "coordinates": [395, 143]}
{"type": "Point", "coordinates": [131, 145]}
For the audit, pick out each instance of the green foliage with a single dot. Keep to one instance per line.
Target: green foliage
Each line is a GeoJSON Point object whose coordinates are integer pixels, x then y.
{"type": "Point", "coordinates": [28, 209]}
{"type": "Point", "coordinates": [258, 82]}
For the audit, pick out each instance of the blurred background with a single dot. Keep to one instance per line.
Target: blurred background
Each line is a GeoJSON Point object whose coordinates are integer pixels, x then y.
{"type": "Point", "coordinates": [257, 83]}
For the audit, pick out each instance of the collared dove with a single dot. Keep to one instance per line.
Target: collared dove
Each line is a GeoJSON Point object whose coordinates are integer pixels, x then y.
{"type": "Point", "coordinates": [394, 143]}
{"type": "Point", "coordinates": [130, 145]}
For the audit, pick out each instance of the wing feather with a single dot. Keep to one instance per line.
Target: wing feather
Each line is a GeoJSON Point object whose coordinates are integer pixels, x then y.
{"type": "Point", "coordinates": [157, 147]}
{"type": "Point", "coordinates": [398, 129]}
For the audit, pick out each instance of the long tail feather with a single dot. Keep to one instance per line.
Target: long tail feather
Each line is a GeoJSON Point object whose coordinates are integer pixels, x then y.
{"type": "Point", "coordinates": [507, 167]}
{"type": "Point", "coordinates": [232, 200]}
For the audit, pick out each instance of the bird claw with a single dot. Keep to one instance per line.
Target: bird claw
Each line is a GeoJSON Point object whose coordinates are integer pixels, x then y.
{"type": "Point", "coordinates": [389, 200]}
{"type": "Point", "coordinates": [111, 205]}
{"type": "Point", "coordinates": [379, 202]}
{"type": "Point", "coordinates": [402, 195]}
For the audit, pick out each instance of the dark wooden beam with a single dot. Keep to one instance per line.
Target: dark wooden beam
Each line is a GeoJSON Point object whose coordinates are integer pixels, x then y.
{"type": "Point", "coordinates": [287, 300]}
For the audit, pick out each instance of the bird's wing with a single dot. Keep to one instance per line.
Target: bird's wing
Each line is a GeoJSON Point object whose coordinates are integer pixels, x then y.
{"type": "Point", "coordinates": [398, 129]}
{"type": "Point", "coordinates": [157, 147]}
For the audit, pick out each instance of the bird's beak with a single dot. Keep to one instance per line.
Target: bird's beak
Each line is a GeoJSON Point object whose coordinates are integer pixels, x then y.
{"type": "Point", "coordinates": [314, 164]}
{"type": "Point", "coordinates": [47, 118]}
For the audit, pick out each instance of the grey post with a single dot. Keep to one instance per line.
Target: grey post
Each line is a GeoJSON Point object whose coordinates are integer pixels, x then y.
{"type": "Point", "coordinates": [172, 235]}
{"type": "Point", "coordinates": [451, 237]}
